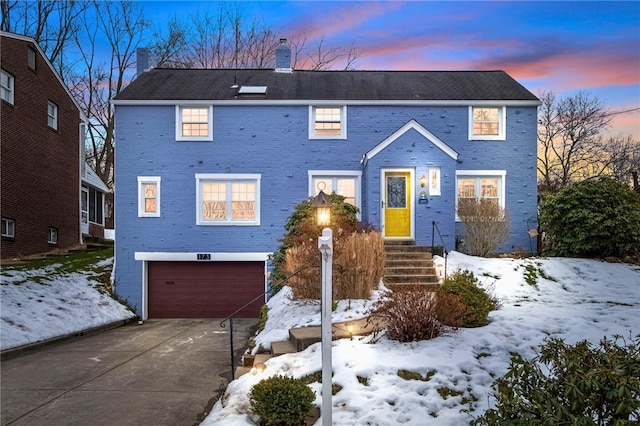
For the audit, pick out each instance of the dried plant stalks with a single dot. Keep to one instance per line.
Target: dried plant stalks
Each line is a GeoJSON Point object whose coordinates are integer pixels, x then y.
{"type": "Point", "coordinates": [486, 226]}
{"type": "Point", "coordinates": [358, 262]}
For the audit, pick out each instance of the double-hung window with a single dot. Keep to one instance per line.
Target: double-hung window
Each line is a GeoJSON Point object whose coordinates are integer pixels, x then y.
{"type": "Point", "coordinates": [343, 182]}
{"type": "Point", "coordinates": [8, 227]}
{"type": "Point", "coordinates": [327, 122]}
{"type": "Point", "coordinates": [487, 123]}
{"type": "Point", "coordinates": [194, 123]}
{"type": "Point", "coordinates": [228, 199]}
{"type": "Point", "coordinates": [52, 235]}
{"type": "Point", "coordinates": [6, 87]}
{"type": "Point", "coordinates": [484, 185]}
{"type": "Point", "coordinates": [52, 115]}
{"type": "Point", "coordinates": [31, 58]}
{"type": "Point", "coordinates": [148, 196]}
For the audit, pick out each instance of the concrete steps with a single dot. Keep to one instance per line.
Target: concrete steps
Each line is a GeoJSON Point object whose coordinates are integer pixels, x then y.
{"type": "Point", "coordinates": [408, 264]}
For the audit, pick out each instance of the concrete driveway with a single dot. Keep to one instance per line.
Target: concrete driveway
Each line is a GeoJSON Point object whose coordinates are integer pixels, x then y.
{"type": "Point", "coordinates": [164, 372]}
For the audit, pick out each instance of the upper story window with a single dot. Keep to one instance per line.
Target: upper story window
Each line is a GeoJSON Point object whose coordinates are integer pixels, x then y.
{"type": "Point", "coordinates": [343, 182]}
{"type": "Point", "coordinates": [327, 122]}
{"type": "Point", "coordinates": [228, 199]}
{"type": "Point", "coordinates": [487, 123]}
{"type": "Point", "coordinates": [148, 196]}
{"type": "Point", "coordinates": [52, 115]}
{"type": "Point", "coordinates": [194, 123]}
{"type": "Point", "coordinates": [8, 227]}
{"type": "Point", "coordinates": [6, 87]}
{"type": "Point", "coordinates": [31, 58]}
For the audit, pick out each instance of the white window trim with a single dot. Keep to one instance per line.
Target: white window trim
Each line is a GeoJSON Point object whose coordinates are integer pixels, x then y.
{"type": "Point", "coordinates": [434, 184]}
{"type": "Point", "coordinates": [12, 234]}
{"type": "Point", "coordinates": [142, 180]}
{"type": "Point", "coordinates": [51, 231]}
{"type": "Point", "coordinates": [502, 174]}
{"type": "Point", "coordinates": [179, 136]}
{"type": "Point", "coordinates": [227, 178]}
{"type": "Point", "coordinates": [338, 174]}
{"type": "Point", "coordinates": [54, 116]}
{"type": "Point", "coordinates": [502, 118]}
{"type": "Point", "coordinates": [312, 122]}
{"type": "Point", "coordinates": [10, 90]}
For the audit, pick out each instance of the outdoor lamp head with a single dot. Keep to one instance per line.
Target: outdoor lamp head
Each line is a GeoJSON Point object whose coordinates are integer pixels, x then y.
{"type": "Point", "coordinates": [423, 181]}
{"type": "Point", "coordinates": [322, 209]}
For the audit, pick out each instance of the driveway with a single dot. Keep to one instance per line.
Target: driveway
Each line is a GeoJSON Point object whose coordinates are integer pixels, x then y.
{"type": "Point", "coordinates": [164, 372]}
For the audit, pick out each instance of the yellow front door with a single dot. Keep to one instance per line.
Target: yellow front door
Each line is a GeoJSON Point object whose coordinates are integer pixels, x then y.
{"type": "Point", "coordinates": [397, 204]}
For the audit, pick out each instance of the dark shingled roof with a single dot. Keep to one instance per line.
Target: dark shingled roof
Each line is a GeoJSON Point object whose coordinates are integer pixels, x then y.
{"type": "Point", "coordinates": [215, 84]}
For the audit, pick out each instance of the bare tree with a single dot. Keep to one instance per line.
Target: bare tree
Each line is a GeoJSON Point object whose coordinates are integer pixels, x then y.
{"type": "Point", "coordinates": [101, 78]}
{"type": "Point", "coordinates": [318, 56]}
{"type": "Point", "coordinates": [569, 136]}
{"type": "Point", "coordinates": [51, 23]}
{"type": "Point", "coordinates": [622, 157]}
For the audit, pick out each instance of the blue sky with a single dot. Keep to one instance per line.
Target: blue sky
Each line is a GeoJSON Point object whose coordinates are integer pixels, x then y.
{"type": "Point", "coordinates": [562, 46]}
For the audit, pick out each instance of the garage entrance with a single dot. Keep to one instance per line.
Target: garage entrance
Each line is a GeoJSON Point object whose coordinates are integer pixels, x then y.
{"type": "Point", "coordinates": [204, 289]}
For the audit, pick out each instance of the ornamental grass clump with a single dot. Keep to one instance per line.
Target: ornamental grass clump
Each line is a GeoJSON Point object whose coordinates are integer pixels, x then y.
{"type": "Point", "coordinates": [281, 401]}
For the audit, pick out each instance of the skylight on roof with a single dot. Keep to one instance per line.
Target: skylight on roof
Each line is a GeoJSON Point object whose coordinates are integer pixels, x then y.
{"type": "Point", "coordinates": [252, 90]}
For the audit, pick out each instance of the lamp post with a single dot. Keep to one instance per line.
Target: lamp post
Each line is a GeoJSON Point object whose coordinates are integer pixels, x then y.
{"type": "Point", "coordinates": [322, 210]}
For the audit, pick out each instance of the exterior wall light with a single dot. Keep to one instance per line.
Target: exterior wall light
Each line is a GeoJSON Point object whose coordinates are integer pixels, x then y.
{"type": "Point", "coordinates": [423, 181]}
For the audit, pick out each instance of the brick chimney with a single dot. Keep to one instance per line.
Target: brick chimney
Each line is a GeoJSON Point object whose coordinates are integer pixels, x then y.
{"type": "Point", "coordinates": [143, 60]}
{"type": "Point", "coordinates": [283, 57]}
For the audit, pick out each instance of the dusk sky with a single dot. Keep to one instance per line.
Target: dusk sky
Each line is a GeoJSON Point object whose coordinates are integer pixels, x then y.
{"type": "Point", "coordinates": [560, 46]}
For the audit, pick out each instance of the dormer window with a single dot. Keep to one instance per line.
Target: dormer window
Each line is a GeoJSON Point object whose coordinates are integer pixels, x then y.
{"type": "Point", "coordinates": [327, 122]}
{"type": "Point", "coordinates": [194, 123]}
{"type": "Point", "coordinates": [487, 123]}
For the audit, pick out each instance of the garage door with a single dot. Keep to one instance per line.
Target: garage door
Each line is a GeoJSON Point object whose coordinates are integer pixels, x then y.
{"type": "Point", "coordinates": [204, 289]}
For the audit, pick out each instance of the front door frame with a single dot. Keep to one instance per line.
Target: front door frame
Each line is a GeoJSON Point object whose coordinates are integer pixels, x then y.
{"type": "Point", "coordinates": [411, 192]}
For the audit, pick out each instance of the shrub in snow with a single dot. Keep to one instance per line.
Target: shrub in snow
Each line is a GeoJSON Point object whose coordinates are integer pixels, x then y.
{"type": "Point", "coordinates": [486, 226]}
{"type": "Point", "coordinates": [409, 314]}
{"type": "Point", "coordinates": [357, 251]}
{"type": "Point", "coordinates": [477, 302]}
{"type": "Point", "coordinates": [570, 384]}
{"type": "Point", "coordinates": [281, 400]}
{"type": "Point", "coordinates": [593, 218]}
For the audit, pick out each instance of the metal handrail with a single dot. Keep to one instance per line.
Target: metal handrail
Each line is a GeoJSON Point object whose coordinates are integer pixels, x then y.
{"type": "Point", "coordinates": [434, 228]}
{"type": "Point", "coordinates": [230, 317]}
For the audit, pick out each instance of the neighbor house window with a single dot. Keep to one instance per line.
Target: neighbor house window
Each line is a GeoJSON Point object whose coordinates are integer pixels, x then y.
{"type": "Point", "coordinates": [96, 206]}
{"type": "Point", "coordinates": [52, 115]}
{"type": "Point", "coordinates": [228, 199]}
{"type": "Point", "coordinates": [52, 236]}
{"type": "Point", "coordinates": [31, 58]}
{"type": "Point", "coordinates": [327, 122]}
{"type": "Point", "coordinates": [6, 87]}
{"type": "Point", "coordinates": [194, 123]}
{"type": "Point", "coordinates": [8, 227]}
{"type": "Point", "coordinates": [434, 181]}
{"type": "Point", "coordinates": [484, 185]}
{"type": "Point", "coordinates": [487, 123]}
{"type": "Point", "coordinates": [148, 196]}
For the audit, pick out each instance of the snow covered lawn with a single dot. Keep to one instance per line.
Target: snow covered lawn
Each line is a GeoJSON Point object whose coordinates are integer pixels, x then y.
{"type": "Point", "coordinates": [572, 299]}
{"type": "Point", "coordinates": [50, 301]}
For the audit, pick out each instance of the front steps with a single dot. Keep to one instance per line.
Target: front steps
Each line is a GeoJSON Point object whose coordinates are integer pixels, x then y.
{"type": "Point", "coordinates": [408, 264]}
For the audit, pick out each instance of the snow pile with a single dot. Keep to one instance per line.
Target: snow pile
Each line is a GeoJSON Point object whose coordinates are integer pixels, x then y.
{"type": "Point", "coordinates": [572, 299]}
{"type": "Point", "coordinates": [40, 304]}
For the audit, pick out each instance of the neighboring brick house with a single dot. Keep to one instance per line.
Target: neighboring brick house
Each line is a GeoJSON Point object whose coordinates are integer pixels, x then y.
{"type": "Point", "coordinates": [211, 162]}
{"type": "Point", "coordinates": [42, 165]}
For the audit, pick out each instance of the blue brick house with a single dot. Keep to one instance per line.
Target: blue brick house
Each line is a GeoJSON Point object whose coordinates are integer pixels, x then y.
{"type": "Point", "coordinates": [210, 163]}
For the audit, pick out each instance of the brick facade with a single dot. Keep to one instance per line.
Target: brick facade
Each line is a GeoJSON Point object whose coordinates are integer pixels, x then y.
{"type": "Point", "coordinates": [40, 181]}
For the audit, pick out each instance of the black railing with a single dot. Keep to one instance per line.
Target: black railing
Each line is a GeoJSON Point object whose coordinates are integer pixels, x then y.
{"type": "Point", "coordinates": [434, 229]}
{"type": "Point", "coordinates": [232, 316]}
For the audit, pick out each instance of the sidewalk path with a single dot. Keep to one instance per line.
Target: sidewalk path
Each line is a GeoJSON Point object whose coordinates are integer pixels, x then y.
{"type": "Point", "coordinates": [164, 372]}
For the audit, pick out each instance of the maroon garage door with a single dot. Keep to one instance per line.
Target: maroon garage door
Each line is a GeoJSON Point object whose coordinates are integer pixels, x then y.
{"type": "Point", "coordinates": [204, 289]}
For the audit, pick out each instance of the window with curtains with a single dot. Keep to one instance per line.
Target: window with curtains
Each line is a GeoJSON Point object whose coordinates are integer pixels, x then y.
{"type": "Point", "coordinates": [486, 186]}
{"type": "Point", "coordinates": [228, 199]}
{"type": "Point", "coordinates": [148, 196]}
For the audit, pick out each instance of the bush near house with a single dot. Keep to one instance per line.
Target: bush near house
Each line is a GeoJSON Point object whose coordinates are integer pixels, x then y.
{"type": "Point", "coordinates": [281, 400]}
{"type": "Point", "coordinates": [357, 254]}
{"type": "Point", "coordinates": [486, 226]}
{"type": "Point", "coordinates": [593, 218]}
{"type": "Point", "coordinates": [579, 385]}
{"type": "Point", "coordinates": [477, 303]}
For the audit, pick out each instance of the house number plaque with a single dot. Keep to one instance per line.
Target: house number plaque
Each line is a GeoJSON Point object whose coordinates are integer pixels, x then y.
{"type": "Point", "coordinates": [204, 256]}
